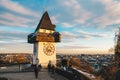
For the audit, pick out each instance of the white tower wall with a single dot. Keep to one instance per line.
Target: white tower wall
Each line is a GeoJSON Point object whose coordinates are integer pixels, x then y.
{"type": "Point", "coordinates": [44, 51]}
{"type": "Point", "coordinates": [43, 56]}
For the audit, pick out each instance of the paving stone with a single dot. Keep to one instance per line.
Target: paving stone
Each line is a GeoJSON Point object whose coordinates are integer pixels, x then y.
{"type": "Point", "coordinates": [43, 75]}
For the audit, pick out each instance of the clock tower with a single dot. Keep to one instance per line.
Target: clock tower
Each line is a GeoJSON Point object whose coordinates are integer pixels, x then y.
{"type": "Point", "coordinates": [44, 39]}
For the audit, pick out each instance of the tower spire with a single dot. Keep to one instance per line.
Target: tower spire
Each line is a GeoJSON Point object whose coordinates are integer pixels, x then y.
{"type": "Point", "coordinates": [45, 23]}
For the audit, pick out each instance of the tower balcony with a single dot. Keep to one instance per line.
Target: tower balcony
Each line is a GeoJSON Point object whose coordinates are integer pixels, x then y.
{"type": "Point", "coordinates": [44, 37]}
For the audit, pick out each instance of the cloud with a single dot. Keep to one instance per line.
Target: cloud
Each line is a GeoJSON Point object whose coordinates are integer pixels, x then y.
{"type": "Point", "coordinates": [72, 46]}
{"type": "Point", "coordinates": [14, 32]}
{"type": "Point", "coordinates": [71, 40]}
{"type": "Point", "coordinates": [2, 49]}
{"type": "Point", "coordinates": [86, 37]}
{"type": "Point", "coordinates": [72, 3]}
{"type": "Point", "coordinates": [80, 14]}
{"type": "Point", "coordinates": [13, 36]}
{"type": "Point", "coordinates": [76, 47]}
{"type": "Point", "coordinates": [8, 23]}
{"type": "Point", "coordinates": [11, 17]}
{"type": "Point", "coordinates": [111, 15]}
{"type": "Point", "coordinates": [13, 41]}
{"type": "Point", "coordinates": [16, 48]}
{"type": "Point", "coordinates": [84, 16]}
{"type": "Point", "coordinates": [13, 20]}
{"type": "Point", "coordinates": [90, 35]}
{"type": "Point", "coordinates": [16, 7]}
{"type": "Point", "coordinates": [71, 37]}
{"type": "Point", "coordinates": [66, 34]}
{"type": "Point", "coordinates": [54, 19]}
{"type": "Point", "coordinates": [67, 25]}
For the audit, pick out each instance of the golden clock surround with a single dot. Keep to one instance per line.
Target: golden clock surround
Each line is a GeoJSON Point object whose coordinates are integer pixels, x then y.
{"type": "Point", "coordinates": [48, 49]}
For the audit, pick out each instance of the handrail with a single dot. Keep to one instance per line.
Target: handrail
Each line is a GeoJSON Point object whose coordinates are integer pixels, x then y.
{"type": "Point", "coordinates": [85, 74]}
{"type": "Point", "coordinates": [72, 72]}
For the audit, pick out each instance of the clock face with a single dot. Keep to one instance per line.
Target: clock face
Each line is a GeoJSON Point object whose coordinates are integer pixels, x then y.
{"type": "Point", "coordinates": [48, 49]}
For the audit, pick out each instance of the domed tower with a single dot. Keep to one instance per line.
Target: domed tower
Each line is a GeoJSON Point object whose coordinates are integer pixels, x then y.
{"type": "Point", "coordinates": [44, 39]}
{"type": "Point", "coordinates": [117, 44]}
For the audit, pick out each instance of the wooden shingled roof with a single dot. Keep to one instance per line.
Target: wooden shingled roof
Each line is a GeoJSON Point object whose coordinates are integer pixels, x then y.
{"type": "Point", "coordinates": [45, 23]}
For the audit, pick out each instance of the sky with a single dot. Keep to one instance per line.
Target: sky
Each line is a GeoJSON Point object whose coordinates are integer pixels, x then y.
{"type": "Point", "coordinates": [86, 26]}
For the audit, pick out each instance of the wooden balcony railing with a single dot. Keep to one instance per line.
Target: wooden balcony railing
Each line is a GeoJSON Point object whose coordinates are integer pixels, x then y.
{"type": "Point", "coordinates": [44, 37]}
